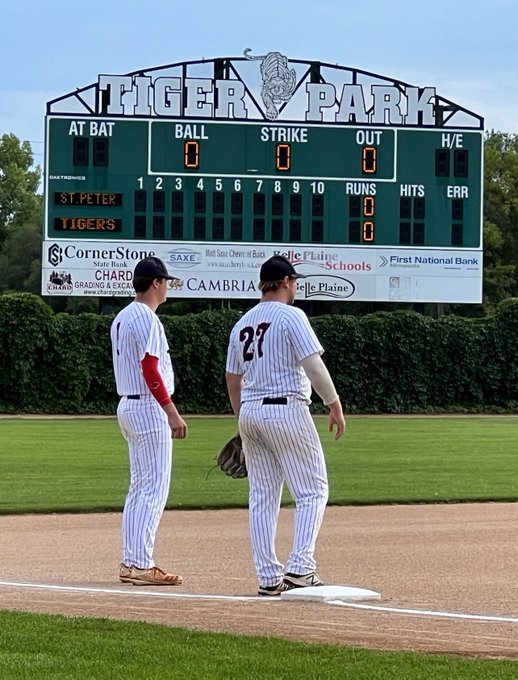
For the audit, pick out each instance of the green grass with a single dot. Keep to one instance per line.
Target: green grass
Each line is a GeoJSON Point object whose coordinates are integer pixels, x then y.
{"type": "Point", "coordinates": [39, 647]}
{"type": "Point", "coordinates": [81, 464]}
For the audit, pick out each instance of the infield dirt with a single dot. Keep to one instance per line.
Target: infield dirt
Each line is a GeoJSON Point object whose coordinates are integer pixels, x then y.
{"type": "Point", "coordinates": [436, 559]}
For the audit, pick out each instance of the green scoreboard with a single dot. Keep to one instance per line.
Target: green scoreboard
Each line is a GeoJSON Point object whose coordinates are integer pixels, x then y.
{"type": "Point", "coordinates": [255, 182]}
{"type": "Point", "coordinates": [390, 195]}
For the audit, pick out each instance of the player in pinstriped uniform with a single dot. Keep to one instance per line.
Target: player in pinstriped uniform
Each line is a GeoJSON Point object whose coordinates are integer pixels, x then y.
{"type": "Point", "coordinates": [273, 359]}
{"type": "Point", "coordinates": [148, 420]}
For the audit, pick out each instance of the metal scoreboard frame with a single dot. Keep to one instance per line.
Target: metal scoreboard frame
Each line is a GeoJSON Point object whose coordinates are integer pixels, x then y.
{"type": "Point", "coordinates": [370, 186]}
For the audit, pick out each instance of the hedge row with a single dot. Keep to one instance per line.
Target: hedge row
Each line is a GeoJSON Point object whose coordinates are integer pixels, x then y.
{"type": "Point", "coordinates": [388, 362]}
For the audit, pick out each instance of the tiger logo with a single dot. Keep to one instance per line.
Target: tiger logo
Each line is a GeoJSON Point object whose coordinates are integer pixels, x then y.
{"type": "Point", "coordinates": [278, 81]}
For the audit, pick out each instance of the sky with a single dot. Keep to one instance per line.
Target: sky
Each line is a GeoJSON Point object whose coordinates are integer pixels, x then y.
{"type": "Point", "coordinates": [466, 49]}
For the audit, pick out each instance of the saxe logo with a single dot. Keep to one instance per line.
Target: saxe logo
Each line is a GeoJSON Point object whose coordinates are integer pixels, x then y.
{"type": "Point", "coordinates": [55, 255]}
{"type": "Point", "coordinates": [183, 258]}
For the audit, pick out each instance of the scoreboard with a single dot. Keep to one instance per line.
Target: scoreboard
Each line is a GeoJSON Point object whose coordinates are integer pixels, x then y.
{"type": "Point", "coordinates": [398, 209]}
{"type": "Point", "coordinates": [254, 182]}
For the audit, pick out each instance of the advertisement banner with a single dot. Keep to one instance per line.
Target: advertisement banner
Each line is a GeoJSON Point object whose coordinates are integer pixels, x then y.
{"type": "Point", "coordinates": [231, 271]}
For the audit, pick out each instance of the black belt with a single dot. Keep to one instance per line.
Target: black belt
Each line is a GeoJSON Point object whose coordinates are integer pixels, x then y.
{"type": "Point", "coordinates": [275, 400]}
{"type": "Point", "coordinates": [136, 396]}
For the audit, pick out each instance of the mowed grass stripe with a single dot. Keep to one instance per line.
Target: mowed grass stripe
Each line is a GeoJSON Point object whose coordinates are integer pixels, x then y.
{"type": "Point", "coordinates": [57, 465]}
{"type": "Point", "coordinates": [40, 647]}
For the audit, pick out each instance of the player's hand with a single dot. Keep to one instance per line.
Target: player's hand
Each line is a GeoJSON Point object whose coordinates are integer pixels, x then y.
{"type": "Point", "coordinates": [336, 419]}
{"type": "Point", "coordinates": [178, 426]}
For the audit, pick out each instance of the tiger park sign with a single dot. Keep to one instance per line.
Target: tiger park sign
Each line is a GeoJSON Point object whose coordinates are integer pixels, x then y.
{"type": "Point", "coordinates": [179, 96]}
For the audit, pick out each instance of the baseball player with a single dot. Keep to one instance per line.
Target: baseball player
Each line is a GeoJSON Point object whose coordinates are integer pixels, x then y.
{"type": "Point", "coordinates": [148, 420]}
{"type": "Point", "coordinates": [273, 359]}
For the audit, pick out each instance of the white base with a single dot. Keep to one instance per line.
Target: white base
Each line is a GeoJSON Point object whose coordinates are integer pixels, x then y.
{"type": "Point", "coordinates": [330, 593]}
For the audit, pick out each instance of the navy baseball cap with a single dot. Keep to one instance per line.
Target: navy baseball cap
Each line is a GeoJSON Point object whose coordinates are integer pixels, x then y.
{"type": "Point", "coordinates": [153, 268]}
{"type": "Point", "coordinates": [276, 268]}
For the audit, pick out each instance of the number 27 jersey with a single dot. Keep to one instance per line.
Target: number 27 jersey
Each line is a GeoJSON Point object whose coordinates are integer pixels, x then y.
{"type": "Point", "coordinates": [266, 346]}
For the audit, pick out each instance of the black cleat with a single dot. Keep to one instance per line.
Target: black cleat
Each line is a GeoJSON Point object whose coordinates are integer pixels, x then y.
{"type": "Point", "coordinates": [302, 580]}
{"type": "Point", "coordinates": [270, 591]}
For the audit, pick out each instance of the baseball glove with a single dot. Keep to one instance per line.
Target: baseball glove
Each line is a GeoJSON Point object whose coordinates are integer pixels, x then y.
{"type": "Point", "coordinates": [231, 458]}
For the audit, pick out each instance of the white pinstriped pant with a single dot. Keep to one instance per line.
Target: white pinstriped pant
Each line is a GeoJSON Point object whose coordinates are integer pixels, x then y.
{"type": "Point", "coordinates": [281, 444]}
{"type": "Point", "coordinates": [144, 426]}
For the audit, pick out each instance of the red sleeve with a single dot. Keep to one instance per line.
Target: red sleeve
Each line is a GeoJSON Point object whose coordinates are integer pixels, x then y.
{"type": "Point", "coordinates": [154, 380]}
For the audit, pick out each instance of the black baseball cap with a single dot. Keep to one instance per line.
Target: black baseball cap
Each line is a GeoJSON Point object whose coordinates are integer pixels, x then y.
{"type": "Point", "coordinates": [276, 268]}
{"type": "Point", "coordinates": [153, 268]}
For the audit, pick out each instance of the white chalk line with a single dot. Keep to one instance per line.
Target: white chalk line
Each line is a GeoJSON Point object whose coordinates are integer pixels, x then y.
{"type": "Point", "coordinates": [142, 591]}
{"type": "Point", "coordinates": [425, 612]}
{"type": "Point", "coordinates": [248, 598]}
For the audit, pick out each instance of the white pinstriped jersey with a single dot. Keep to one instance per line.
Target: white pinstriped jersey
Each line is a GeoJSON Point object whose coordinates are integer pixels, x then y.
{"type": "Point", "coordinates": [266, 346]}
{"type": "Point", "coordinates": [135, 332]}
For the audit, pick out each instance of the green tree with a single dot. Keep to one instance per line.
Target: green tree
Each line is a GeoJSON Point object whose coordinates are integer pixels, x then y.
{"type": "Point", "coordinates": [20, 258]}
{"type": "Point", "coordinates": [500, 217]}
{"type": "Point", "coordinates": [19, 182]}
